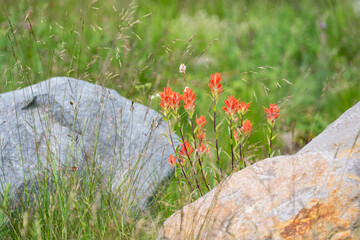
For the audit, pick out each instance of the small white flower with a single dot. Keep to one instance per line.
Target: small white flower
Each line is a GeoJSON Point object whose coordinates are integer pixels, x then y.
{"type": "Point", "coordinates": [182, 69]}
{"type": "Point", "coordinates": [155, 96]}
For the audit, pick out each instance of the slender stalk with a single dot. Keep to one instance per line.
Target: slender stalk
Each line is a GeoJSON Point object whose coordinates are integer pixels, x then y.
{"type": "Point", "coordinates": [240, 149]}
{"type": "Point", "coordinates": [199, 159]}
{"type": "Point", "coordinates": [187, 154]}
{"type": "Point", "coordinates": [216, 137]}
{"type": "Point", "coordinates": [187, 179]}
{"type": "Point", "coordinates": [172, 144]}
{"type": "Point", "coordinates": [192, 131]}
{"type": "Point", "coordinates": [171, 139]}
{"type": "Point", "coordinates": [271, 133]}
{"type": "Point", "coordinates": [177, 179]}
{"type": "Point", "coordinates": [185, 79]}
{"type": "Point", "coordinates": [240, 137]}
{"type": "Point", "coordinates": [231, 146]}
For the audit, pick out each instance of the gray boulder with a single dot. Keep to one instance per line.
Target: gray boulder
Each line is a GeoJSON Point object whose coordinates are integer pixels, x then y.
{"type": "Point", "coordinates": [70, 124]}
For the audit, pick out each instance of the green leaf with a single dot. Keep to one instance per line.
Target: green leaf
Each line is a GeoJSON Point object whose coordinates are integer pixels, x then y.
{"type": "Point", "coordinates": [165, 119]}
{"type": "Point", "coordinates": [269, 128]}
{"type": "Point", "coordinates": [275, 136]}
{"type": "Point", "coordinates": [227, 154]}
{"type": "Point", "coordinates": [179, 139]}
{"type": "Point", "coordinates": [190, 137]}
{"type": "Point", "coordinates": [167, 137]}
{"type": "Point", "coordinates": [211, 116]}
{"type": "Point", "coordinates": [196, 129]}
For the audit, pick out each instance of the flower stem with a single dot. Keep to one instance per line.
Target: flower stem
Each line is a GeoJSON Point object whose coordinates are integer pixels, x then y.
{"type": "Point", "coordinates": [271, 133]}
{"type": "Point", "coordinates": [231, 146]}
{"type": "Point", "coordinates": [192, 131]}
{"type": "Point", "coordinates": [177, 179]}
{"type": "Point", "coordinates": [187, 154]}
{"type": "Point", "coordinates": [241, 142]}
{"type": "Point", "coordinates": [199, 159]}
{"type": "Point", "coordinates": [216, 137]}
{"type": "Point", "coordinates": [187, 179]}
{"type": "Point", "coordinates": [172, 144]}
{"type": "Point", "coordinates": [171, 139]}
{"type": "Point", "coordinates": [185, 79]}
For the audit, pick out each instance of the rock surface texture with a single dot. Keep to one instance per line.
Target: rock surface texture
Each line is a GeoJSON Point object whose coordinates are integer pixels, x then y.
{"type": "Point", "coordinates": [314, 194]}
{"type": "Point", "coordinates": [72, 123]}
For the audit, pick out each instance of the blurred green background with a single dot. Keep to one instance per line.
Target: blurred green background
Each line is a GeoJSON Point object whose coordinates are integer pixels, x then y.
{"type": "Point", "coordinates": [306, 52]}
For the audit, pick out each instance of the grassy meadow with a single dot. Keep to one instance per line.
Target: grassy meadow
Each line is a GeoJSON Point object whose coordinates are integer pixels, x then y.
{"type": "Point", "coordinates": [303, 55]}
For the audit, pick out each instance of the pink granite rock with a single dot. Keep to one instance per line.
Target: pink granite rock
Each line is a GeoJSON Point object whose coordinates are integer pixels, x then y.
{"type": "Point", "coordinates": [314, 194]}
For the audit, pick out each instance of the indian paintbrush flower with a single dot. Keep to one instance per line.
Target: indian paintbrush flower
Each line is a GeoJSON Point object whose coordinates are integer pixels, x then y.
{"type": "Point", "coordinates": [185, 150]}
{"type": "Point", "coordinates": [200, 135]}
{"type": "Point", "coordinates": [246, 128]}
{"type": "Point", "coordinates": [172, 161]}
{"type": "Point", "coordinates": [201, 121]}
{"type": "Point", "coordinates": [176, 99]}
{"type": "Point", "coordinates": [204, 148]}
{"type": "Point", "coordinates": [231, 106]}
{"type": "Point", "coordinates": [215, 85]}
{"type": "Point", "coordinates": [239, 128]}
{"type": "Point", "coordinates": [169, 99]}
{"type": "Point", "coordinates": [189, 100]}
{"type": "Point", "coordinates": [165, 99]}
{"type": "Point", "coordinates": [272, 113]}
{"type": "Point", "coordinates": [244, 107]}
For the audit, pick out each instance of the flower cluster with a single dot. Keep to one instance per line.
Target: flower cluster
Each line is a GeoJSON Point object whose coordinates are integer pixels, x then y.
{"type": "Point", "coordinates": [169, 99]}
{"type": "Point", "coordinates": [234, 106]}
{"type": "Point", "coordinates": [246, 127]}
{"type": "Point", "coordinates": [200, 122]}
{"type": "Point", "coordinates": [215, 85]}
{"type": "Point", "coordinates": [231, 106]}
{"type": "Point", "coordinates": [244, 107]}
{"type": "Point", "coordinates": [203, 147]}
{"type": "Point", "coordinates": [272, 113]}
{"type": "Point", "coordinates": [189, 100]}
{"type": "Point", "coordinates": [185, 150]}
{"type": "Point", "coordinates": [192, 148]}
{"type": "Point", "coordinates": [172, 161]}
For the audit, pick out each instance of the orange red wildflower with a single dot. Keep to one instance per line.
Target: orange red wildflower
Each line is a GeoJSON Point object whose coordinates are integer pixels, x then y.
{"type": "Point", "coordinates": [215, 85]}
{"type": "Point", "coordinates": [246, 128]}
{"type": "Point", "coordinates": [272, 113]}
{"type": "Point", "coordinates": [185, 150]}
{"type": "Point", "coordinates": [244, 107]}
{"type": "Point", "coordinates": [231, 106]}
{"type": "Point", "coordinates": [201, 121]}
{"type": "Point", "coordinates": [169, 99]}
{"type": "Point", "coordinates": [189, 100]}
{"type": "Point", "coordinates": [172, 161]}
